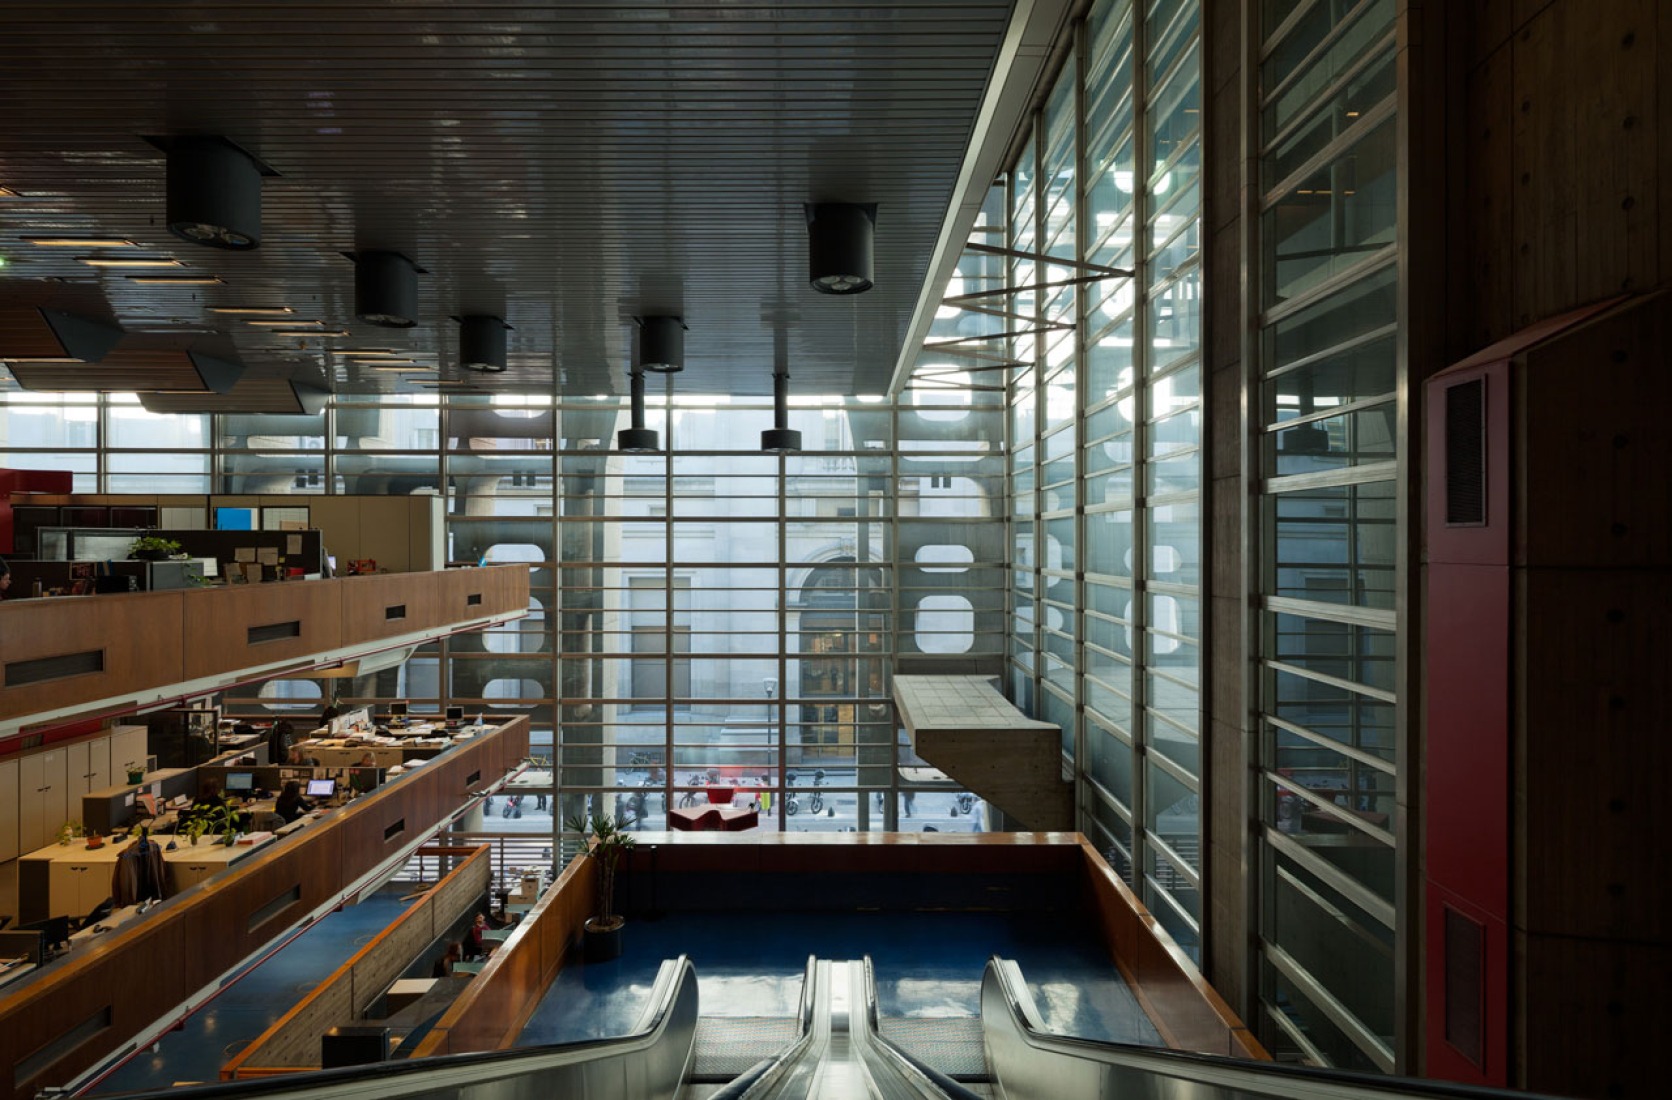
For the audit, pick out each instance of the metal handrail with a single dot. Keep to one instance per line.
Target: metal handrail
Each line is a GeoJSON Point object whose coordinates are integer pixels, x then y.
{"type": "Point", "coordinates": [652, 1060]}
{"type": "Point", "coordinates": [1028, 1061]}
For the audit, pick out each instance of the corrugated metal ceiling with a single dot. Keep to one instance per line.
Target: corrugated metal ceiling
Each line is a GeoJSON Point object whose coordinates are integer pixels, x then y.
{"type": "Point", "coordinates": [567, 166]}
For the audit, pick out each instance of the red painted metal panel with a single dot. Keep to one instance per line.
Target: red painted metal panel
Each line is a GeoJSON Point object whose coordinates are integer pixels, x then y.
{"type": "Point", "coordinates": [1444, 1060]}
{"type": "Point", "coordinates": [1467, 777]}
{"type": "Point", "coordinates": [1489, 542]}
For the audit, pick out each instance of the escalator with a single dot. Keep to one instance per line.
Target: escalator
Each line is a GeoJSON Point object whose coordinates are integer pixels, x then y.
{"type": "Point", "coordinates": [839, 1046]}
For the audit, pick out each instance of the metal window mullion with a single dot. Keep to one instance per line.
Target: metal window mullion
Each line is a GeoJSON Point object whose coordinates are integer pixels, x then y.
{"type": "Point", "coordinates": [1370, 760]}
{"type": "Point", "coordinates": [1142, 143]}
{"type": "Point", "coordinates": [780, 732]}
{"type": "Point", "coordinates": [1343, 26]}
{"type": "Point", "coordinates": [1349, 1025]}
{"type": "Point", "coordinates": [1082, 235]}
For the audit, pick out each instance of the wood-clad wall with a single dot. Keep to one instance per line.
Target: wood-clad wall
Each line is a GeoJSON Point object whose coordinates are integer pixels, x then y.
{"type": "Point", "coordinates": [1559, 194]}
{"type": "Point", "coordinates": [123, 984]}
{"type": "Point", "coordinates": [1564, 191]}
{"type": "Point", "coordinates": [149, 642]}
{"type": "Point", "coordinates": [492, 1012]}
{"type": "Point", "coordinates": [1185, 1009]}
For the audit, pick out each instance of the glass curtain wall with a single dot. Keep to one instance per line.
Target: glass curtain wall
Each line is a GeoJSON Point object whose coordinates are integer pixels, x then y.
{"type": "Point", "coordinates": [1105, 480]}
{"type": "Point", "coordinates": [699, 617]}
{"type": "Point", "coordinates": [1327, 379]}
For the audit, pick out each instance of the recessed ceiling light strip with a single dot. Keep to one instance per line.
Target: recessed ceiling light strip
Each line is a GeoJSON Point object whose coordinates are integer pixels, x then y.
{"type": "Point", "coordinates": [126, 261]}
{"type": "Point", "coordinates": [80, 242]}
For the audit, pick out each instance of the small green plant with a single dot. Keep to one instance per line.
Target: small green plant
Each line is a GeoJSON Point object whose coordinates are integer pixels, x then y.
{"type": "Point", "coordinates": [150, 546]}
{"type": "Point", "coordinates": [69, 831]}
{"type": "Point", "coordinates": [136, 772]}
{"type": "Point", "coordinates": [605, 845]}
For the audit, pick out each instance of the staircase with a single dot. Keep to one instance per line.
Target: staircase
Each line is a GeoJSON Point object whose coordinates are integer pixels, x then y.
{"type": "Point", "coordinates": [964, 727]}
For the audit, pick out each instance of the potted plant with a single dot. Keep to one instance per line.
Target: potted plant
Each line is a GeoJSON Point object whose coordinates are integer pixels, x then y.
{"type": "Point", "coordinates": [136, 772]}
{"type": "Point", "coordinates": [70, 830]}
{"type": "Point", "coordinates": [152, 548]}
{"type": "Point", "coordinates": [225, 821]}
{"type": "Point", "coordinates": [195, 828]}
{"type": "Point", "coordinates": [605, 845]}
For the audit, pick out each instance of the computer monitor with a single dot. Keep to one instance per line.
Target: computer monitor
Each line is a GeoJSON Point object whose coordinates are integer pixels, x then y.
{"type": "Point", "coordinates": [240, 782]}
{"type": "Point", "coordinates": [55, 932]}
{"type": "Point", "coordinates": [322, 788]}
{"type": "Point", "coordinates": [455, 715]}
{"type": "Point", "coordinates": [397, 709]}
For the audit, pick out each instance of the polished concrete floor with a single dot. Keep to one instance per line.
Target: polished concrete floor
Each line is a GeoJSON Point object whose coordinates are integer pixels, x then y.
{"type": "Point", "coordinates": [255, 1000]}
{"type": "Point", "coordinates": [927, 965]}
{"type": "Point", "coordinates": [749, 964]}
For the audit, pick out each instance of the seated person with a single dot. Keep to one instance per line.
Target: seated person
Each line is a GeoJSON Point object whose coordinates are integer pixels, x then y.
{"type": "Point", "coordinates": [290, 804]}
{"type": "Point", "coordinates": [209, 801]}
{"type": "Point", "coordinates": [475, 946]}
{"type": "Point", "coordinates": [364, 776]}
{"type": "Point", "coordinates": [444, 965]}
{"type": "Point", "coordinates": [296, 758]}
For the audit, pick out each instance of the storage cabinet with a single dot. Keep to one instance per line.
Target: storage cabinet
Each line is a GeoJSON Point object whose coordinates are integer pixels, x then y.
{"type": "Point", "coordinates": [78, 886]}
{"type": "Point", "coordinates": [41, 790]}
{"type": "Point", "coordinates": [42, 797]}
{"type": "Point", "coordinates": [127, 746]}
{"type": "Point", "coordinates": [87, 768]}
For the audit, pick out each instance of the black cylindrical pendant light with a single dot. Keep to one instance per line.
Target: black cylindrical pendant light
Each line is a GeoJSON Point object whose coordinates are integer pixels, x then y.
{"type": "Point", "coordinates": [482, 343]}
{"type": "Point", "coordinates": [385, 289]}
{"type": "Point", "coordinates": [840, 255]}
{"type": "Point", "coordinates": [214, 194]}
{"type": "Point", "coordinates": [638, 438]}
{"type": "Point", "coordinates": [780, 437]}
{"type": "Point", "coordinates": [662, 344]}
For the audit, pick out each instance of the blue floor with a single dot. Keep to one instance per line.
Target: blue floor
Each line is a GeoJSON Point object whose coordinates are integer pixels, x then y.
{"type": "Point", "coordinates": [253, 1003]}
{"type": "Point", "coordinates": [926, 965]}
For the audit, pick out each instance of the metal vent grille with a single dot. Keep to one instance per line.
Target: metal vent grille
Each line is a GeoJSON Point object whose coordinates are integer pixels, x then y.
{"type": "Point", "coordinates": [1465, 979]}
{"type": "Point", "coordinates": [39, 669]}
{"type": "Point", "coordinates": [1466, 454]}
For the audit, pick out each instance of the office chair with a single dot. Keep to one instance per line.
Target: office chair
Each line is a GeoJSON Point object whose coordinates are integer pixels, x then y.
{"type": "Point", "coordinates": [99, 913]}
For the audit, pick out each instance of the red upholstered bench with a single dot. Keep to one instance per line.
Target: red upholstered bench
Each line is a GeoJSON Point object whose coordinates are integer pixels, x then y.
{"type": "Point", "coordinates": [698, 819]}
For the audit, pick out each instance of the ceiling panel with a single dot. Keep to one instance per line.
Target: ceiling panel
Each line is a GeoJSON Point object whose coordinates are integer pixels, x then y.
{"type": "Point", "coordinates": [566, 166]}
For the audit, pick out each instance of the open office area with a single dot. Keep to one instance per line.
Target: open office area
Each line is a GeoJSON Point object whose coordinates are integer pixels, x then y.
{"type": "Point", "coordinates": [1212, 447]}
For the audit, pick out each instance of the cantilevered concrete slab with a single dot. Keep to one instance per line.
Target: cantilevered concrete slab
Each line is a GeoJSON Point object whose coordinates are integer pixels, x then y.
{"type": "Point", "coordinates": [966, 728]}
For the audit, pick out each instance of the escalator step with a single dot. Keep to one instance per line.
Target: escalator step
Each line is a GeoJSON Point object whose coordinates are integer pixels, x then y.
{"type": "Point", "coordinates": [725, 1046]}
{"type": "Point", "coordinates": [950, 1044]}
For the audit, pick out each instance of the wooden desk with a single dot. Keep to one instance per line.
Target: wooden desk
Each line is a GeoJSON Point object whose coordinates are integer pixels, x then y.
{"type": "Point", "coordinates": [190, 864]}
{"type": "Point", "coordinates": [405, 992]}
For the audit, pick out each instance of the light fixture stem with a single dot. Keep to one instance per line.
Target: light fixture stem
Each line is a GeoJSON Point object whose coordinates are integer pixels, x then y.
{"type": "Point", "coordinates": [635, 384]}
{"type": "Point", "coordinates": [780, 400]}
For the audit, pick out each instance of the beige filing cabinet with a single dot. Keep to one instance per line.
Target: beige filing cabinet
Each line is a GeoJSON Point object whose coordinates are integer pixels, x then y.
{"type": "Point", "coordinates": [43, 802]}
{"type": "Point", "coordinates": [81, 882]}
{"type": "Point", "coordinates": [88, 768]}
{"type": "Point", "coordinates": [127, 746]}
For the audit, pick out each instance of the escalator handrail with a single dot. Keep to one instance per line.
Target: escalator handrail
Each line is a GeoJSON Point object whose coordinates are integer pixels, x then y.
{"type": "Point", "coordinates": [766, 1073]}
{"type": "Point", "coordinates": [1007, 1003]}
{"type": "Point", "coordinates": [673, 999]}
{"type": "Point", "coordinates": [908, 1064]}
